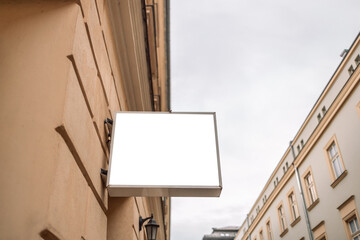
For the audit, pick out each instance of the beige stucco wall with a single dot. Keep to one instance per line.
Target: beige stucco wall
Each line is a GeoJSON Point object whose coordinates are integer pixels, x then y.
{"type": "Point", "coordinates": [29, 143]}
{"type": "Point", "coordinates": [298, 230]}
{"type": "Point", "coordinates": [346, 128]}
{"type": "Point", "coordinates": [59, 79]}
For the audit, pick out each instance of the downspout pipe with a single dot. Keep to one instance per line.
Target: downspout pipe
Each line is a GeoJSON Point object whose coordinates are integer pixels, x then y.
{"type": "Point", "coordinates": [307, 220]}
{"type": "Point", "coordinates": [248, 224]}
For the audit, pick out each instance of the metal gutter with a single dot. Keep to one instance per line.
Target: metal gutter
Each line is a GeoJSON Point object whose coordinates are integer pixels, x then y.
{"type": "Point", "coordinates": [307, 220]}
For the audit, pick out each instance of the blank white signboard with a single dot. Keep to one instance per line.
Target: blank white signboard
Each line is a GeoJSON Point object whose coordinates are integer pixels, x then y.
{"type": "Point", "coordinates": [164, 154]}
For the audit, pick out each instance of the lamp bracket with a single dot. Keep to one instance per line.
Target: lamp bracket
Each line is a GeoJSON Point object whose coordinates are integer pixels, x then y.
{"type": "Point", "coordinates": [142, 221]}
{"type": "Point", "coordinates": [103, 174]}
{"type": "Point", "coordinates": [108, 128]}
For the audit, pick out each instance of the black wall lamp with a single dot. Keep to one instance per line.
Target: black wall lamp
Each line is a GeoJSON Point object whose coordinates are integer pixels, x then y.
{"type": "Point", "coordinates": [151, 227]}
{"type": "Point", "coordinates": [108, 123]}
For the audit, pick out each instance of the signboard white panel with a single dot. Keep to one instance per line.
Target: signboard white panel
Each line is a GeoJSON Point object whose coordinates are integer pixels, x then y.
{"type": "Point", "coordinates": [164, 154]}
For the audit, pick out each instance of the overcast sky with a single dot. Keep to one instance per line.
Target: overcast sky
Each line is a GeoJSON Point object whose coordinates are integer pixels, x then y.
{"type": "Point", "coordinates": [260, 65]}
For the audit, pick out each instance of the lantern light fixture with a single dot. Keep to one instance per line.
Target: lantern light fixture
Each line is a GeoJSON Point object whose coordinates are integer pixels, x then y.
{"type": "Point", "coordinates": [151, 227]}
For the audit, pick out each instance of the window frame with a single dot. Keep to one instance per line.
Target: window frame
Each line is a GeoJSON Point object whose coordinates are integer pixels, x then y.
{"type": "Point", "coordinates": [330, 161]}
{"type": "Point", "coordinates": [261, 234]}
{"type": "Point", "coordinates": [293, 207]}
{"type": "Point", "coordinates": [351, 70]}
{"type": "Point", "coordinates": [357, 232]}
{"type": "Point", "coordinates": [319, 231]}
{"type": "Point", "coordinates": [270, 235]}
{"type": "Point", "coordinates": [357, 60]}
{"type": "Point", "coordinates": [323, 110]}
{"type": "Point", "coordinates": [319, 117]}
{"type": "Point", "coordinates": [282, 219]}
{"type": "Point", "coordinates": [348, 211]}
{"type": "Point", "coordinates": [310, 204]}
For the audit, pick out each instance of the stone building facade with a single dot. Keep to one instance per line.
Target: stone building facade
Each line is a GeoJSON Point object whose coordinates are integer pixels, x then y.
{"type": "Point", "coordinates": [313, 193]}
{"type": "Point", "coordinates": [222, 233]}
{"type": "Point", "coordinates": [65, 67]}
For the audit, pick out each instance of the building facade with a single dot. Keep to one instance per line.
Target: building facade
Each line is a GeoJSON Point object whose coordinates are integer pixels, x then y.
{"type": "Point", "coordinates": [65, 67]}
{"type": "Point", "coordinates": [313, 193]}
{"type": "Point", "coordinates": [223, 233]}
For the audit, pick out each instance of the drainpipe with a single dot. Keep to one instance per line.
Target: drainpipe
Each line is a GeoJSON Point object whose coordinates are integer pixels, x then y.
{"type": "Point", "coordinates": [307, 220]}
{"type": "Point", "coordinates": [247, 220]}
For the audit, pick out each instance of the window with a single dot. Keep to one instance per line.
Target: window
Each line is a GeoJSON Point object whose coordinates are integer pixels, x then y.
{"type": "Point", "coordinates": [261, 235]}
{"type": "Point", "coordinates": [357, 60]}
{"type": "Point", "coordinates": [302, 143]}
{"type": "Point", "coordinates": [276, 181]}
{"type": "Point", "coordinates": [310, 189]}
{"type": "Point", "coordinates": [284, 169]}
{"type": "Point", "coordinates": [293, 206]}
{"type": "Point", "coordinates": [287, 165]}
{"type": "Point", "coordinates": [354, 229]}
{"type": "Point", "coordinates": [282, 220]}
{"type": "Point", "coordinates": [298, 148]}
{"type": "Point", "coordinates": [350, 218]}
{"type": "Point", "coordinates": [351, 70]}
{"type": "Point", "coordinates": [323, 110]}
{"type": "Point", "coordinates": [294, 210]}
{"type": "Point", "coordinates": [269, 231]}
{"type": "Point", "coordinates": [335, 162]}
{"type": "Point", "coordinates": [319, 117]}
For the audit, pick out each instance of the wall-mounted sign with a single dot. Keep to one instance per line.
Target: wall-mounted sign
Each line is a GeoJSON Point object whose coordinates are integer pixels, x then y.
{"type": "Point", "coordinates": [164, 154]}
